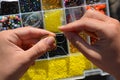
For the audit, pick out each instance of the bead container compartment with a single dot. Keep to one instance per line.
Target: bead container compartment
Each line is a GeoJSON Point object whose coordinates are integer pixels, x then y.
{"type": "Point", "coordinates": [65, 61]}
{"type": "Point", "coordinates": [8, 7]}
{"type": "Point", "coordinates": [10, 22]}
{"type": "Point", "coordinates": [60, 50]}
{"type": "Point", "coordinates": [34, 19]}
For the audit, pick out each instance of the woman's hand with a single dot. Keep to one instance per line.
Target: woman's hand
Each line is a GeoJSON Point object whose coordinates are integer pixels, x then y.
{"type": "Point", "coordinates": [105, 52]}
{"type": "Point", "coordinates": [20, 47]}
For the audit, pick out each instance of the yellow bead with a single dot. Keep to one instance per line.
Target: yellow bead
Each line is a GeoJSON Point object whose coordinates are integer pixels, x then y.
{"type": "Point", "coordinates": [53, 19]}
{"type": "Point", "coordinates": [51, 4]}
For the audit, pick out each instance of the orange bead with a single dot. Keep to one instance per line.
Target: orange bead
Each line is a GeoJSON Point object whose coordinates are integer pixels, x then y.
{"type": "Point", "coordinates": [102, 6]}
{"type": "Point", "coordinates": [88, 7]}
{"type": "Point", "coordinates": [97, 8]}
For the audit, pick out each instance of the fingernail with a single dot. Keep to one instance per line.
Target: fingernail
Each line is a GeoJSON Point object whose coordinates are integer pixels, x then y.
{"type": "Point", "coordinates": [61, 27]}
{"type": "Point", "coordinates": [48, 35]}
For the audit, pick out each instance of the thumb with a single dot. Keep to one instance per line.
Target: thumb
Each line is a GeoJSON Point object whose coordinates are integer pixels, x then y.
{"type": "Point", "coordinates": [40, 48]}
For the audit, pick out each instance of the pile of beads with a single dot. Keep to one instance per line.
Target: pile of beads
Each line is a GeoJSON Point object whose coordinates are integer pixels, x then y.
{"type": "Point", "coordinates": [92, 1]}
{"type": "Point", "coordinates": [53, 19]}
{"type": "Point", "coordinates": [73, 49]}
{"type": "Point", "coordinates": [9, 7]}
{"type": "Point", "coordinates": [70, 3]}
{"type": "Point", "coordinates": [10, 22]}
{"type": "Point", "coordinates": [51, 4]}
{"type": "Point", "coordinates": [30, 5]}
{"type": "Point", "coordinates": [100, 7]}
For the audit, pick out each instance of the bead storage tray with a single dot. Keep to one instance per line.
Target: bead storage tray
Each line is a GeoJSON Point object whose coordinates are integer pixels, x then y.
{"type": "Point", "coordinates": [65, 61]}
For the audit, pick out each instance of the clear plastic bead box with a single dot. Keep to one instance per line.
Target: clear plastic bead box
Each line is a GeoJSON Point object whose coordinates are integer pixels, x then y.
{"type": "Point", "coordinates": [65, 62]}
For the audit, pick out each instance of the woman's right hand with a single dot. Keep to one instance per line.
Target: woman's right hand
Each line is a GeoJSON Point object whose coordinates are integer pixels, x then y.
{"type": "Point", "coordinates": [105, 53]}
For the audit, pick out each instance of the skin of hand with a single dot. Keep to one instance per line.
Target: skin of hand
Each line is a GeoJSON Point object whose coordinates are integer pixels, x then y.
{"type": "Point", "coordinates": [19, 48]}
{"type": "Point", "coordinates": [105, 52]}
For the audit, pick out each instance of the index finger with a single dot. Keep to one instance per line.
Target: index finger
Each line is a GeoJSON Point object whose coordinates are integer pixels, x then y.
{"type": "Point", "coordinates": [84, 24]}
{"type": "Point", "coordinates": [31, 33]}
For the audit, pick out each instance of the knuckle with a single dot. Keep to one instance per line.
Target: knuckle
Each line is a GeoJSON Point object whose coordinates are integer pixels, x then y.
{"type": "Point", "coordinates": [117, 22]}
{"type": "Point", "coordinates": [42, 48]}
{"type": "Point", "coordinates": [116, 25]}
{"type": "Point", "coordinates": [88, 11]}
{"type": "Point", "coordinates": [30, 30]}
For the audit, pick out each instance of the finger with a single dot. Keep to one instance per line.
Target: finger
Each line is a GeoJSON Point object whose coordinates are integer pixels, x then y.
{"type": "Point", "coordinates": [40, 48]}
{"type": "Point", "coordinates": [96, 15]}
{"type": "Point", "coordinates": [30, 32]}
{"type": "Point", "coordinates": [89, 51]}
{"type": "Point", "coordinates": [84, 24]}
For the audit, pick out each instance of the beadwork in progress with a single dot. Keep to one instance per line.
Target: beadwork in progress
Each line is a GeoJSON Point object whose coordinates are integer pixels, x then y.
{"type": "Point", "coordinates": [65, 61]}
